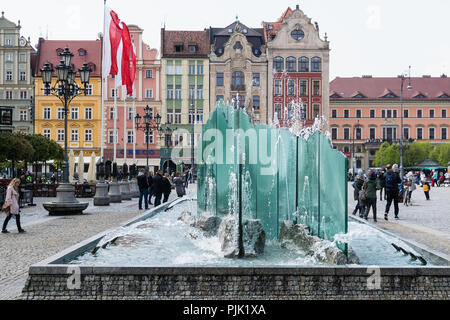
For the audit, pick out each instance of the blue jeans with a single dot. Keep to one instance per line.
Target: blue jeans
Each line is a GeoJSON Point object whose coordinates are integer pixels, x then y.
{"type": "Point", "coordinates": [158, 199]}
{"type": "Point", "coordinates": [143, 194]}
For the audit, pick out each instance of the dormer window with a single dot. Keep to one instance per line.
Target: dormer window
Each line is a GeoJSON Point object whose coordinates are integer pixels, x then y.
{"type": "Point", "coordinates": [297, 34]}
{"type": "Point", "coordinates": [192, 48]}
{"type": "Point", "coordinates": [179, 48]}
{"type": "Point", "coordinates": [238, 45]}
{"type": "Point", "coordinates": [245, 31]}
{"type": "Point", "coordinates": [82, 52]}
{"type": "Point", "coordinates": [230, 30]}
{"type": "Point", "coordinates": [59, 51]}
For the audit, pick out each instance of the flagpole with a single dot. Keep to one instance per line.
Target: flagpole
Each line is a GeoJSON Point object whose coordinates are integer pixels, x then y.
{"type": "Point", "coordinates": [116, 136]}
{"type": "Point", "coordinates": [103, 88]}
{"type": "Point", "coordinates": [125, 138]}
{"type": "Point", "coordinates": [134, 127]}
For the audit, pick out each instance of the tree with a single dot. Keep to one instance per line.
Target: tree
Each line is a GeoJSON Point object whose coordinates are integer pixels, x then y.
{"type": "Point", "coordinates": [388, 154]}
{"type": "Point", "coordinates": [15, 148]}
{"type": "Point", "coordinates": [417, 152]}
{"type": "Point", "coordinates": [444, 154]}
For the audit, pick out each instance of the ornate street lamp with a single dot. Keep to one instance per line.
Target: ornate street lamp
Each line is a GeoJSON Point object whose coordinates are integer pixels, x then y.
{"type": "Point", "coordinates": [66, 90]}
{"type": "Point", "coordinates": [150, 124]}
{"type": "Point", "coordinates": [402, 134]}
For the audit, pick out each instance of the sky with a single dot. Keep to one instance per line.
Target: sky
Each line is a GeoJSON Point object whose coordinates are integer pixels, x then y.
{"type": "Point", "coordinates": [381, 38]}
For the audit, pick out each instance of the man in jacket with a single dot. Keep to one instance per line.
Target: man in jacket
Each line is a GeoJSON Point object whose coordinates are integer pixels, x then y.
{"type": "Point", "coordinates": [358, 186]}
{"type": "Point", "coordinates": [157, 187]}
{"type": "Point", "coordinates": [151, 192]}
{"type": "Point", "coordinates": [143, 189]}
{"type": "Point", "coordinates": [371, 185]}
{"type": "Point", "coordinates": [392, 182]}
{"type": "Point", "coordinates": [382, 180]}
{"type": "Point", "coordinates": [166, 187]}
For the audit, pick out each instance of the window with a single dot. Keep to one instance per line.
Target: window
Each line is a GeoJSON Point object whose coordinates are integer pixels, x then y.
{"type": "Point", "coordinates": [191, 92]}
{"type": "Point", "coordinates": [358, 114]}
{"type": "Point", "coordinates": [111, 137]}
{"type": "Point", "coordinates": [200, 69]}
{"type": "Point", "coordinates": [406, 113]}
{"type": "Point", "coordinates": [256, 80]}
{"type": "Point", "coordinates": [334, 133]}
{"type": "Point", "coordinates": [23, 76]}
{"type": "Point", "coordinates": [179, 48]}
{"type": "Point", "coordinates": [346, 149]}
{"type": "Point", "coordinates": [89, 89]}
{"type": "Point", "coordinates": [88, 135]}
{"type": "Point", "coordinates": [278, 110]}
{"type": "Point", "coordinates": [291, 87]}
{"type": "Point", "coordinates": [113, 93]}
{"type": "Point", "coordinates": [419, 113]}
{"type": "Point", "coordinates": [60, 135]}
{"type": "Point", "coordinates": [23, 57]}
{"type": "Point", "coordinates": [111, 113]}
{"type": "Point", "coordinates": [47, 133]}
{"type": "Point", "coordinates": [23, 115]}
{"type": "Point", "coordinates": [178, 69]}
{"type": "Point", "coordinates": [291, 64]}
{"type": "Point", "coordinates": [316, 88]}
{"type": "Point", "coordinates": [191, 116]}
{"type": "Point", "coordinates": [316, 111]}
{"type": "Point", "coordinates": [192, 48]}
{"type": "Point", "coordinates": [8, 42]}
{"type": "Point", "coordinates": [316, 64]}
{"type": "Point", "coordinates": [278, 89]}
{"type": "Point", "coordinates": [87, 113]}
{"type": "Point", "coordinates": [74, 135]}
{"type": "Point", "coordinates": [130, 136]}
{"type": "Point", "coordinates": [199, 92]}
{"type": "Point", "coordinates": [256, 102]}
{"type": "Point", "coordinates": [406, 133]}
{"type": "Point", "coordinates": [372, 113]}
{"type": "Point", "coordinates": [170, 92]}
{"type": "Point", "coordinates": [170, 70]}
{"type": "Point", "coordinates": [358, 133]}
{"type": "Point", "coordinates": [177, 92]}
{"type": "Point", "coordinates": [346, 113]}
{"type": "Point", "coordinates": [190, 138]}
{"type": "Point", "coordinates": [431, 113]}
{"type": "Point", "coordinates": [444, 133]}
{"type": "Point", "coordinates": [373, 133]}
{"type": "Point", "coordinates": [394, 113]}
{"type": "Point", "coordinates": [444, 113]}
{"type": "Point", "coordinates": [389, 133]}
{"type": "Point", "coordinates": [149, 74]}
{"type": "Point", "coordinates": [219, 98]}
{"type": "Point", "coordinates": [383, 114]}
{"type": "Point", "coordinates": [151, 139]}
{"type": "Point", "coordinates": [149, 93]}
{"type": "Point", "coordinates": [9, 75]}
{"type": "Point", "coordinates": [334, 113]}
{"type": "Point", "coordinates": [278, 64]}
{"type": "Point", "coordinates": [304, 64]}
{"type": "Point", "coordinates": [199, 116]}
{"type": "Point", "coordinates": [23, 95]}
{"type": "Point", "coordinates": [47, 114]}
{"type": "Point", "coordinates": [9, 57]}
{"type": "Point", "coordinates": [219, 79]}
{"type": "Point", "coordinates": [297, 34]}
{"type": "Point", "coordinates": [60, 114]}
{"type": "Point", "coordinates": [131, 113]}
{"type": "Point", "coordinates": [303, 88]}
{"type": "Point", "coordinates": [431, 133]}
{"type": "Point", "coordinates": [192, 69]}
{"type": "Point", "coordinates": [169, 118]}
{"type": "Point", "coordinates": [346, 133]}
{"type": "Point", "coordinates": [419, 133]}
{"type": "Point", "coordinates": [238, 81]}
{"type": "Point", "coordinates": [388, 113]}
{"type": "Point", "coordinates": [74, 114]}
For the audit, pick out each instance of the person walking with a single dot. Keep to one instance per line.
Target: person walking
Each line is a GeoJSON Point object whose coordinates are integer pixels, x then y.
{"type": "Point", "coordinates": [157, 187]}
{"type": "Point", "coordinates": [151, 191]}
{"type": "Point", "coordinates": [371, 186]}
{"type": "Point", "coordinates": [357, 189]}
{"type": "Point", "coordinates": [11, 205]}
{"type": "Point", "coordinates": [180, 185]}
{"type": "Point", "coordinates": [426, 190]}
{"type": "Point", "coordinates": [143, 189]}
{"type": "Point", "coordinates": [382, 182]}
{"type": "Point", "coordinates": [392, 182]}
{"type": "Point", "coordinates": [166, 187]}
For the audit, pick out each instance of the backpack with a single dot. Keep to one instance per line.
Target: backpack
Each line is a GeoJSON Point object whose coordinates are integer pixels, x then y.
{"type": "Point", "coordinates": [390, 180]}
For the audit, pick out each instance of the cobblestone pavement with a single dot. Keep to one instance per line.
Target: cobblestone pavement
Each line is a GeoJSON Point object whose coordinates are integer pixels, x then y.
{"type": "Point", "coordinates": [425, 222]}
{"type": "Point", "coordinates": [47, 236]}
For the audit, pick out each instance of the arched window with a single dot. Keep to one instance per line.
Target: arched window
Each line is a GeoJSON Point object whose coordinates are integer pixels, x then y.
{"type": "Point", "coordinates": [303, 64]}
{"type": "Point", "coordinates": [278, 64]}
{"type": "Point", "coordinates": [291, 64]}
{"type": "Point", "coordinates": [238, 81]}
{"type": "Point", "coordinates": [316, 64]}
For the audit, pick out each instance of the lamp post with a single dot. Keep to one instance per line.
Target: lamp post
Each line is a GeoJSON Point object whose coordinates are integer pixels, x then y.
{"type": "Point", "coordinates": [167, 133]}
{"type": "Point", "coordinates": [66, 89]}
{"type": "Point", "coordinates": [150, 124]}
{"type": "Point", "coordinates": [192, 138]}
{"type": "Point", "coordinates": [403, 78]}
{"type": "Point", "coordinates": [353, 157]}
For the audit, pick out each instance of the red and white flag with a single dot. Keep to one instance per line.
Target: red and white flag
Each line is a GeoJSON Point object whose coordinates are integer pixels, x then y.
{"type": "Point", "coordinates": [118, 51]}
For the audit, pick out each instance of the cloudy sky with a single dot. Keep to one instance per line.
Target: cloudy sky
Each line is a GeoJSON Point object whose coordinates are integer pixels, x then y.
{"type": "Point", "coordinates": [377, 37]}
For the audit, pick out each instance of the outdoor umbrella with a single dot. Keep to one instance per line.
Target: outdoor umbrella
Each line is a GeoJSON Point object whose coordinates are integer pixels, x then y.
{"type": "Point", "coordinates": [91, 176]}
{"type": "Point", "coordinates": [81, 167]}
{"type": "Point", "coordinates": [71, 166]}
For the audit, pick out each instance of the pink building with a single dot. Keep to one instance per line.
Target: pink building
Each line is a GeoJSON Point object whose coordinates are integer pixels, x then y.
{"type": "Point", "coordinates": [147, 93]}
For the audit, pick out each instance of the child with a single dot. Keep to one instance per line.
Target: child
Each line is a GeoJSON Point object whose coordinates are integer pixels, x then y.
{"type": "Point", "coordinates": [426, 190]}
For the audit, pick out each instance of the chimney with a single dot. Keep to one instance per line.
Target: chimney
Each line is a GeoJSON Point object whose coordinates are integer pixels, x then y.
{"type": "Point", "coordinates": [297, 7]}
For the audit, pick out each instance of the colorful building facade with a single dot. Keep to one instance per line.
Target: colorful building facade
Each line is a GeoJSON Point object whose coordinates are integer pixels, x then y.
{"type": "Point", "coordinates": [84, 111]}
{"type": "Point", "coordinates": [131, 147]}
{"type": "Point", "coordinates": [366, 111]}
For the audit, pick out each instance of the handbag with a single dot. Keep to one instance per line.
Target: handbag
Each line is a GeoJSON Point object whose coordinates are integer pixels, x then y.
{"type": "Point", "coordinates": [6, 209]}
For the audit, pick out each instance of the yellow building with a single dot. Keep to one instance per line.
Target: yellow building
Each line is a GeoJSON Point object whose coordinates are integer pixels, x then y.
{"type": "Point", "coordinates": [84, 125]}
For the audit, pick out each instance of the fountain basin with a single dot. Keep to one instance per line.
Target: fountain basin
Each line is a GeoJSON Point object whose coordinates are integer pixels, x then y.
{"type": "Point", "coordinates": [148, 278]}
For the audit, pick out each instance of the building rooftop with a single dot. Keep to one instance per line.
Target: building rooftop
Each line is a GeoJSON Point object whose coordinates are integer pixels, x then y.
{"type": "Point", "coordinates": [361, 88]}
{"type": "Point", "coordinates": [89, 51]}
{"type": "Point", "coordinates": [177, 44]}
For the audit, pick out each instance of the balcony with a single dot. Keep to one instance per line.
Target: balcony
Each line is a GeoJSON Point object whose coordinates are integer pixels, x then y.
{"type": "Point", "coordinates": [238, 88]}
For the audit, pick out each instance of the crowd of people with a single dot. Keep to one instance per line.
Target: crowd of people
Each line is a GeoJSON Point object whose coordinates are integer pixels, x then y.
{"type": "Point", "coordinates": [393, 189]}
{"type": "Point", "coordinates": [160, 186]}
